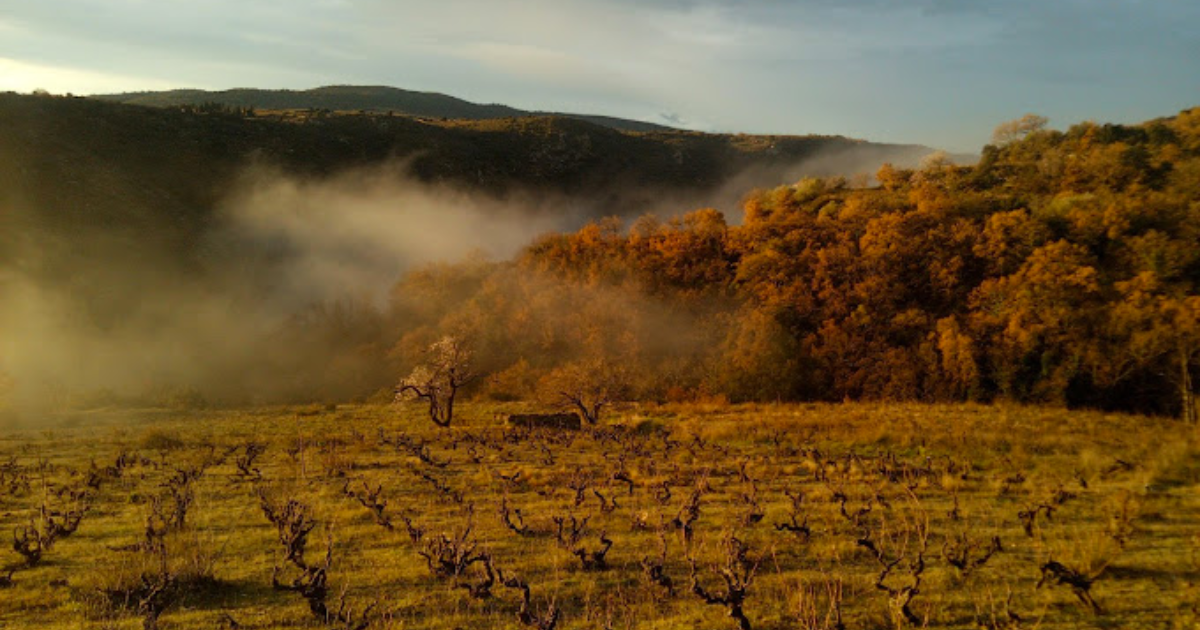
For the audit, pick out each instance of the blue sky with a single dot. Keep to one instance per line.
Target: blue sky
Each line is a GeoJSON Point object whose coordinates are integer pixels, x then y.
{"type": "Point", "coordinates": [937, 72]}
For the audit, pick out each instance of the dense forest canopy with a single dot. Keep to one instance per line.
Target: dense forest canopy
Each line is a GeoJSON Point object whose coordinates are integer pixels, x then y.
{"type": "Point", "coordinates": [1061, 269]}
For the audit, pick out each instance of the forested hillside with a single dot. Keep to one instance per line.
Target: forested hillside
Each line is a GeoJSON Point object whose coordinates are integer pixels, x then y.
{"type": "Point", "coordinates": [78, 163]}
{"type": "Point", "coordinates": [1061, 269]}
{"type": "Point", "coordinates": [142, 248]}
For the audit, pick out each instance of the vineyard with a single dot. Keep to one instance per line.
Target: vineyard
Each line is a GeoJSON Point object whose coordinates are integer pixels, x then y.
{"type": "Point", "coordinates": [672, 516]}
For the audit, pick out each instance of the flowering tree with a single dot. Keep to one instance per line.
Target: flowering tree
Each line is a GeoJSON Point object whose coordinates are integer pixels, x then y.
{"type": "Point", "coordinates": [447, 369]}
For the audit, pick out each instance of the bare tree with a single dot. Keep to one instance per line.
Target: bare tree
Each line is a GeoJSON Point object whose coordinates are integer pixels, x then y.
{"type": "Point", "coordinates": [446, 370]}
{"type": "Point", "coordinates": [1014, 130]}
{"type": "Point", "coordinates": [586, 386]}
{"type": "Point", "coordinates": [738, 572]}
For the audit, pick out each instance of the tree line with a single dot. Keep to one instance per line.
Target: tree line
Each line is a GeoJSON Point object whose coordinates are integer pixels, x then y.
{"type": "Point", "coordinates": [1060, 269]}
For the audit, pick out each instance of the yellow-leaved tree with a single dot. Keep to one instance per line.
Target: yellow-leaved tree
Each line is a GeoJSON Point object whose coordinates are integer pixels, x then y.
{"type": "Point", "coordinates": [1039, 321]}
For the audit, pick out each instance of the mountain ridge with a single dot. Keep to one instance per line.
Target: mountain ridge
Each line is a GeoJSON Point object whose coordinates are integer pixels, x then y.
{"type": "Point", "coordinates": [374, 98]}
{"type": "Point", "coordinates": [189, 148]}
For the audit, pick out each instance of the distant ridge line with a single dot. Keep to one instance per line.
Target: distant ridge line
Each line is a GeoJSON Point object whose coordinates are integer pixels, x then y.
{"type": "Point", "coordinates": [376, 98]}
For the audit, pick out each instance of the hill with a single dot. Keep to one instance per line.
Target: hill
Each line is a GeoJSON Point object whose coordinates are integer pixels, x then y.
{"type": "Point", "coordinates": [126, 231]}
{"type": "Point", "coordinates": [1060, 269]}
{"type": "Point", "coordinates": [359, 98]}
{"type": "Point", "coordinates": [77, 163]}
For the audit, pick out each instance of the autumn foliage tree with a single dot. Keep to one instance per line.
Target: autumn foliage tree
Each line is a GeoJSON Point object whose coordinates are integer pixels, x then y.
{"type": "Point", "coordinates": [1061, 268]}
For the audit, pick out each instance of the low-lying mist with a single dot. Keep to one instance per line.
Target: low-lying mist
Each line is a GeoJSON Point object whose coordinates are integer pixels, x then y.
{"type": "Point", "coordinates": [88, 320]}
{"type": "Point", "coordinates": [355, 233]}
{"type": "Point", "coordinates": [283, 295]}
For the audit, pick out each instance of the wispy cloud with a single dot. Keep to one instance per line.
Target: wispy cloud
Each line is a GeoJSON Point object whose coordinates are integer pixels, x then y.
{"type": "Point", "coordinates": [875, 68]}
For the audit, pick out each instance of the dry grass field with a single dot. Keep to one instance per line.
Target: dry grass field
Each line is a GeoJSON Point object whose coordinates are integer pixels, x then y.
{"type": "Point", "coordinates": [790, 516]}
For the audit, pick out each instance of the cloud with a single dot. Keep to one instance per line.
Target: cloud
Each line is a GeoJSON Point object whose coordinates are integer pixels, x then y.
{"type": "Point", "coordinates": [867, 68]}
{"type": "Point", "coordinates": [538, 64]}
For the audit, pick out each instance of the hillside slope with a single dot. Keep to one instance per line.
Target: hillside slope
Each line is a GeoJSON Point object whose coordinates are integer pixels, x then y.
{"type": "Point", "coordinates": [359, 98]}
{"type": "Point", "coordinates": [149, 245]}
{"type": "Point", "coordinates": [87, 160]}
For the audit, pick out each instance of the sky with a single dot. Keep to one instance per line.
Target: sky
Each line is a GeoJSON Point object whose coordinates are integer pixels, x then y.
{"type": "Point", "coordinates": [942, 73]}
